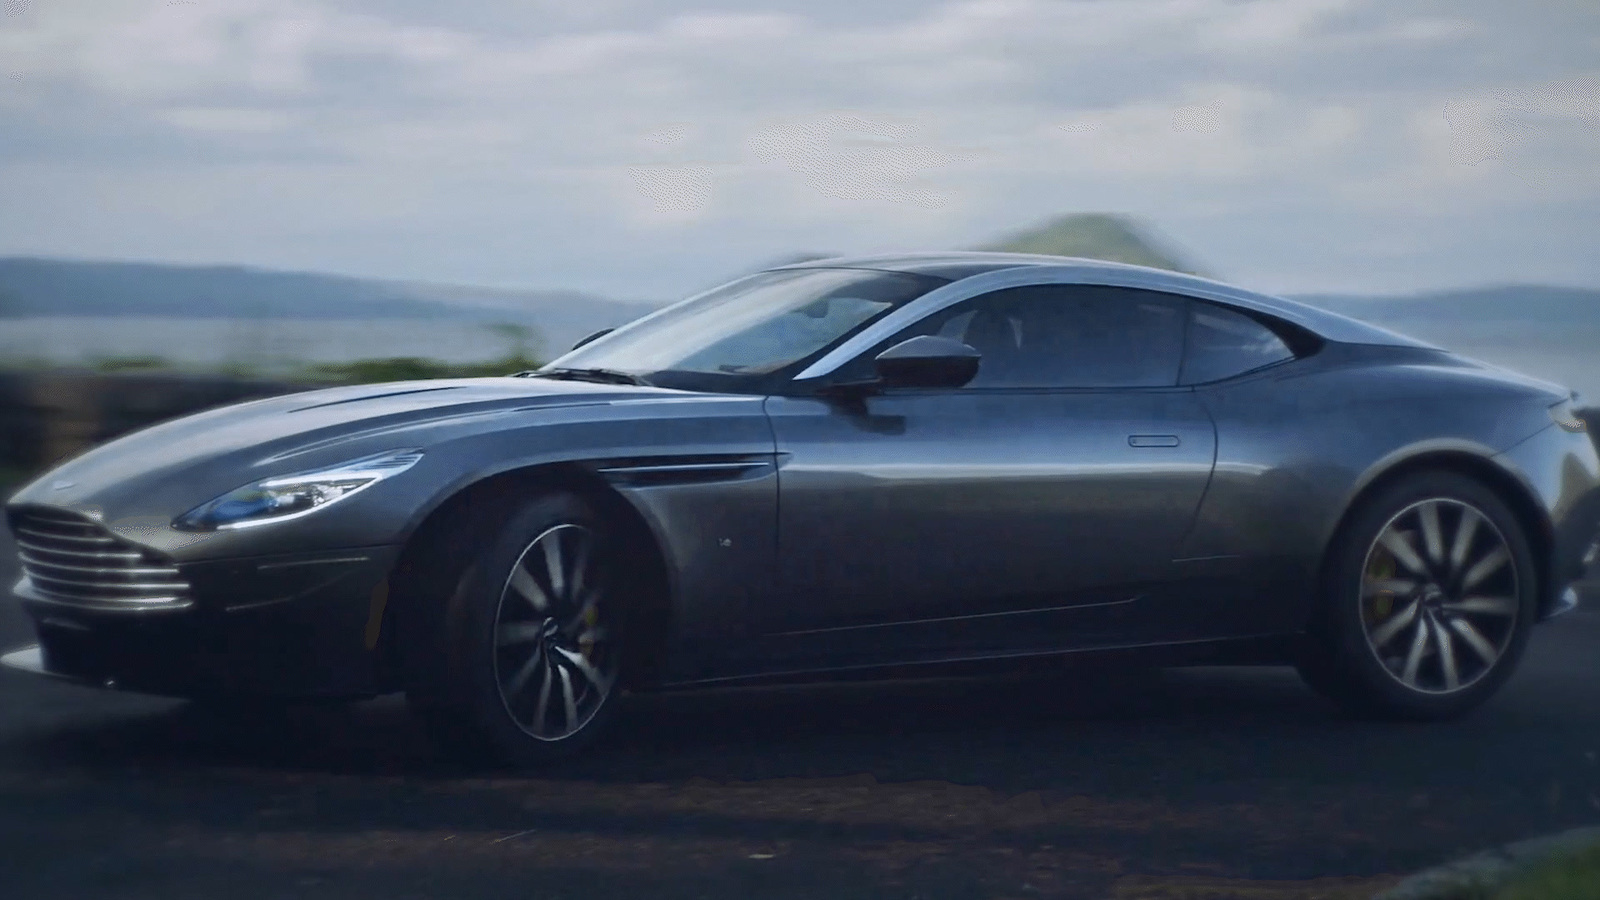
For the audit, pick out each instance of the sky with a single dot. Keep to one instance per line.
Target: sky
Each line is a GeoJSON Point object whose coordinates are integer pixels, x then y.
{"type": "Point", "coordinates": [646, 149]}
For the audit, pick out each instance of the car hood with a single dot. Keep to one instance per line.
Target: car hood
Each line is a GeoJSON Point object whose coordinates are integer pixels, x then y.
{"type": "Point", "coordinates": [294, 432]}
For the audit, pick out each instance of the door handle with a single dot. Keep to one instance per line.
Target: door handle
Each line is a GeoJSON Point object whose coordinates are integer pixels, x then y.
{"type": "Point", "coordinates": [1152, 440]}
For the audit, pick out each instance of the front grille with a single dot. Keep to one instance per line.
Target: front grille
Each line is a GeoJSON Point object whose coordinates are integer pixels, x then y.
{"type": "Point", "coordinates": [73, 560]}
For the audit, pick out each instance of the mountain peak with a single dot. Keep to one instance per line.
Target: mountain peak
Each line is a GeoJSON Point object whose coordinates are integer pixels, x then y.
{"type": "Point", "coordinates": [1107, 236]}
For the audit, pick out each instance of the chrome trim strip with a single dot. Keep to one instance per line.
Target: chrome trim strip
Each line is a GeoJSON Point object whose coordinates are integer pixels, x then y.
{"type": "Point", "coordinates": [28, 560]}
{"type": "Point", "coordinates": [75, 539]}
{"type": "Point", "coordinates": [58, 519]}
{"type": "Point", "coordinates": [992, 615]}
{"type": "Point", "coordinates": [686, 467]}
{"type": "Point", "coordinates": [111, 585]}
{"type": "Point", "coordinates": [28, 590]}
{"type": "Point", "coordinates": [55, 514]}
{"type": "Point", "coordinates": [272, 567]}
{"type": "Point", "coordinates": [80, 554]}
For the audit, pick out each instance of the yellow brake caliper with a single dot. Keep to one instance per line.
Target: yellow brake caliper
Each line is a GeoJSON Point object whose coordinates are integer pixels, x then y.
{"type": "Point", "coordinates": [591, 617]}
{"type": "Point", "coordinates": [1381, 568]}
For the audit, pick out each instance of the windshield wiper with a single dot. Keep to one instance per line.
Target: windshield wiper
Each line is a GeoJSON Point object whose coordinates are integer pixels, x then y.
{"type": "Point", "coordinates": [603, 376]}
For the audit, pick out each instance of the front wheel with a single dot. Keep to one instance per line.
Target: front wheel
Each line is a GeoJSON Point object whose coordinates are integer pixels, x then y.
{"type": "Point", "coordinates": [1428, 597]}
{"type": "Point", "coordinates": [531, 640]}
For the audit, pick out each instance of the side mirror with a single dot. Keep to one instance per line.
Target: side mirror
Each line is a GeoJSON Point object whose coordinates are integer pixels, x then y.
{"type": "Point", "coordinates": [928, 361]}
{"type": "Point", "coordinates": [598, 334]}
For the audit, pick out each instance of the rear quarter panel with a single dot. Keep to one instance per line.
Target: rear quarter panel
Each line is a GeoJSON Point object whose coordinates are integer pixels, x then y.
{"type": "Point", "coordinates": [1298, 443]}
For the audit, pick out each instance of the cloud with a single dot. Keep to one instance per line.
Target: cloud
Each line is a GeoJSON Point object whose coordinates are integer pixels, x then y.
{"type": "Point", "coordinates": [683, 189]}
{"type": "Point", "coordinates": [1276, 25]}
{"type": "Point", "coordinates": [224, 120]}
{"type": "Point", "coordinates": [668, 135]}
{"type": "Point", "coordinates": [853, 157]}
{"type": "Point", "coordinates": [747, 133]}
{"type": "Point", "coordinates": [1503, 124]}
{"type": "Point", "coordinates": [1203, 118]}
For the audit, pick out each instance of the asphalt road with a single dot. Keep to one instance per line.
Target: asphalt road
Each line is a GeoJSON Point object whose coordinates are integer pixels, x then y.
{"type": "Point", "coordinates": [1195, 784]}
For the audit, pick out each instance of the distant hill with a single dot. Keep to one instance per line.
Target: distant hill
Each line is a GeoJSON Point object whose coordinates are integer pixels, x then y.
{"type": "Point", "coordinates": [1517, 305]}
{"type": "Point", "coordinates": [1115, 238]}
{"type": "Point", "coordinates": [1544, 331]}
{"type": "Point", "coordinates": [1535, 315]}
{"type": "Point", "coordinates": [55, 287]}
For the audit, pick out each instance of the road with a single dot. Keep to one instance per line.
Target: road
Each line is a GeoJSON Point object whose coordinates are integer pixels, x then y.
{"type": "Point", "coordinates": [1207, 783]}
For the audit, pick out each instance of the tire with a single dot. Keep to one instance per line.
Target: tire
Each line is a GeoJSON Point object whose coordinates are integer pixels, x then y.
{"type": "Point", "coordinates": [1428, 595]}
{"type": "Point", "coordinates": [522, 665]}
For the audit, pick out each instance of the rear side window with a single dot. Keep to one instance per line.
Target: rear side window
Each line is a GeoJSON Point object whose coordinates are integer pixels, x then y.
{"type": "Point", "coordinates": [1224, 343]}
{"type": "Point", "coordinates": [1069, 336]}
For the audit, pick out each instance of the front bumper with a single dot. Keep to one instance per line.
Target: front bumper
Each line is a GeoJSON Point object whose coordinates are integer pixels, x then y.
{"type": "Point", "coordinates": [305, 626]}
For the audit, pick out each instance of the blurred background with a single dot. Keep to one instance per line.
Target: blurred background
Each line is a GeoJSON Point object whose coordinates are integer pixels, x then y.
{"type": "Point", "coordinates": [208, 200]}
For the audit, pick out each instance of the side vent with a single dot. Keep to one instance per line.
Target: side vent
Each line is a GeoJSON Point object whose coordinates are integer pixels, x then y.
{"type": "Point", "coordinates": [665, 470]}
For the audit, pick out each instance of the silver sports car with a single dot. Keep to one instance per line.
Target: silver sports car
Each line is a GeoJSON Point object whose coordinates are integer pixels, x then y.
{"type": "Point", "coordinates": [842, 466]}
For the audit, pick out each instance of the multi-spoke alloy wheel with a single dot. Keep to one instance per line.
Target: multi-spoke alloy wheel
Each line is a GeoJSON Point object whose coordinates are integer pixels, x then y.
{"type": "Point", "coordinates": [553, 663]}
{"type": "Point", "coordinates": [520, 663]}
{"type": "Point", "coordinates": [1429, 591]}
{"type": "Point", "coordinates": [1439, 595]}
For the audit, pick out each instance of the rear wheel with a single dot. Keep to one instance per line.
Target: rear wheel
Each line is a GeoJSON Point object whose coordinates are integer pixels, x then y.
{"type": "Point", "coordinates": [1428, 597]}
{"type": "Point", "coordinates": [530, 640]}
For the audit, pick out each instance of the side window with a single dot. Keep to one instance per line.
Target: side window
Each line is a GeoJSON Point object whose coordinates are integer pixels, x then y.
{"type": "Point", "coordinates": [1224, 343]}
{"type": "Point", "coordinates": [1069, 336]}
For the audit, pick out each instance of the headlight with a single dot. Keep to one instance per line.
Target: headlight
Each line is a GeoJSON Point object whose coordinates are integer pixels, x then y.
{"type": "Point", "coordinates": [291, 496]}
{"type": "Point", "coordinates": [1564, 416]}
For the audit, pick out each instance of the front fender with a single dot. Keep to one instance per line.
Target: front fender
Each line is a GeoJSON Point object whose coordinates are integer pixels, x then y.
{"type": "Point", "coordinates": [703, 481]}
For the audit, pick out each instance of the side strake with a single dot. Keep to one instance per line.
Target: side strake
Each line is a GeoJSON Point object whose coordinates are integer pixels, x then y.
{"type": "Point", "coordinates": [685, 469]}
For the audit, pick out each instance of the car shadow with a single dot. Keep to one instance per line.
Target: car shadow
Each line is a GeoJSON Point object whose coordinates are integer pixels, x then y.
{"type": "Point", "coordinates": [1095, 761]}
{"type": "Point", "coordinates": [922, 728]}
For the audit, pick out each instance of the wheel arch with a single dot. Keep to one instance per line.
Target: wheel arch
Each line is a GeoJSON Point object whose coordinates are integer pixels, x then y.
{"type": "Point", "coordinates": [1505, 483]}
{"type": "Point", "coordinates": [437, 549]}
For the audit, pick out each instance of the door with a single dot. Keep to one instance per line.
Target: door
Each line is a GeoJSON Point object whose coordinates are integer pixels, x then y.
{"type": "Point", "coordinates": [1031, 509]}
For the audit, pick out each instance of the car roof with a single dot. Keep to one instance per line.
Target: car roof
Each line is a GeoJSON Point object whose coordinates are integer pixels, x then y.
{"type": "Point", "coordinates": [958, 265]}
{"type": "Point", "coordinates": [951, 265]}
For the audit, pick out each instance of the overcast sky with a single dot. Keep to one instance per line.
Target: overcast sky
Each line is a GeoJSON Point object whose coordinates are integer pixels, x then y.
{"type": "Point", "coordinates": [644, 148]}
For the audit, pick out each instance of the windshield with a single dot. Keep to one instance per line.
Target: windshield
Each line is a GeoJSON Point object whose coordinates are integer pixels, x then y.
{"type": "Point", "coordinates": [757, 325]}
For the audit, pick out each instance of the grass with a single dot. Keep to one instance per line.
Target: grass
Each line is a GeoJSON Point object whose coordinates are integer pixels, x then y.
{"type": "Point", "coordinates": [13, 477]}
{"type": "Point", "coordinates": [132, 364]}
{"type": "Point", "coordinates": [518, 357]}
{"type": "Point", "coordinates": [1574, 877]}
{"type": "Point", "coordinates": [1199, 887]}
{"type": "Point", "coordinates": [411, 368]}
{"type": "Point", "coordinates": [358, 371]}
